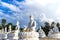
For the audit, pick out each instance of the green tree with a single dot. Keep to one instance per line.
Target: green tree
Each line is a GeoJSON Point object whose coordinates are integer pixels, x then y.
{"type": "Point", "coordinates": [8, 26]}
{"type": "Point", "coordinates": [52, 25]}
{"type": "Point", "coordinates": [13, 27]}
{"type": "Point", "coordinates": [46, 28]}
{"type": "Point", "coordinates": [21, 29]}
{"type": "Point", "coordinates": [3, 23]}
{"type": "Point", "coordinates": [58, 25]}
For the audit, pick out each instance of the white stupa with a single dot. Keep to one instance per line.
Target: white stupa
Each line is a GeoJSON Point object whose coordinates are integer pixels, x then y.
{"type": "Point", "coordinates": [41, 33]}
{"type": "Point", "coordinates": [54, 33]}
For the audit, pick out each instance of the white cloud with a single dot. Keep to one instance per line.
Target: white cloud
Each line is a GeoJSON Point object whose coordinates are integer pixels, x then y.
{"type": "Point", "coordinates": [58, 11]}
{"type": "Point", "coordinates": [58, 19]}
{"type": "Point", "coordinates": [41, 2]}
{"type": "Point", "coordinates": [49, 7]}
{"type": "Point", "coordinates": [6, 15]}
{"type": "Point", "coordinates": [43, 18]}
{"type": "Point", "coordinates": [10, 6]}
{"type": "Point", "coordinates": [46, 10]}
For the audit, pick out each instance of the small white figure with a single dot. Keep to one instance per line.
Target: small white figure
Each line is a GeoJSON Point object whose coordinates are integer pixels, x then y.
{"type": "Point", "coordinates": [41, 33]}
{"type": "Point", "coordinates": [55, 29]}
{"type": "Point", "coordinates": [50, 32]}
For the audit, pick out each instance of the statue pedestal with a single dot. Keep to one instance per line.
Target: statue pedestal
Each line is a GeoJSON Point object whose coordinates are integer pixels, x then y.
{"type": "Point", "coordinates": [28, 36]}
{"type": "Point", "coordinates": [16, 34]}
{"type": "Point", "coordinates": [13, 36]}
{"type": "Point", "coordinates": [3, 36]}
{"type": "Point", "coordinates": [10, 35]}
{"type": "Point", "coordinates": [55, 35]}
{"type": "Point", "coordinates": [29, 39]}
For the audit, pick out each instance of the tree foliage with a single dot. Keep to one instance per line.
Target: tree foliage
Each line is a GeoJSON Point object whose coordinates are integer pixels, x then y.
{"type": "Point", "coordinates": [58, 25]}
{"type": "Point", "coordinates": [3, 22]}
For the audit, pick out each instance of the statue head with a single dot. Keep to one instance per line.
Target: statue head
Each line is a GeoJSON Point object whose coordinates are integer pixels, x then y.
{"type": "Point", "coordinates": [53, 24]}
{"type": "Point", "coordinates": [17, 23]}
{"type": "Point", "coordinates": [31, 17]}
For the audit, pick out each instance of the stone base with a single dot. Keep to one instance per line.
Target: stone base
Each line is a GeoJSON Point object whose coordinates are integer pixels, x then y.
{"type": "Point", "coordinates": [16, 38]}
{"type": "Point", "coordinates": [28, 36]}
{"type": "Point", "coordinates": [3, 36]}
{"type": "Point", "coordinates": [39, 39]}
{"type": "Point", "coordinates": [30, 39]}
{"type": "Point", "coordinates": [54, 35]}
{"type": "Point", "coordinates": [23, 35]}
{"type": "Point", "coordinates": [12, 36]}
{"type": "Point", "coordinates": [20, 36]}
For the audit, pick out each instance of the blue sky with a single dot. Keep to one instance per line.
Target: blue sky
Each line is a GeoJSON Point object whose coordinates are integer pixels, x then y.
{"type": "Point", "coordinates": [43, 10]}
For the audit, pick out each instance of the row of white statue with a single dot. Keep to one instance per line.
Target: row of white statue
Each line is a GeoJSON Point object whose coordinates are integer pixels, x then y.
{"type": "Point", "coordinates": [32, 26]}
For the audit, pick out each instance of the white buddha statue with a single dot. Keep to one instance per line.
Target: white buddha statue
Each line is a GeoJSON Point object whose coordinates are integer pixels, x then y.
{"type": "Point", "coordinates": [55, 29]}
{"type": "Point", "coordinates": [54, 33]}
{"type": "Point", "coordinates": [41, 33]}
{"type": "Point", "coordinates": [32, 23]}
{"type": "Point", "coordinates": [50, 32]}
{"type": "Point", "coordinates": [29, 32]}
